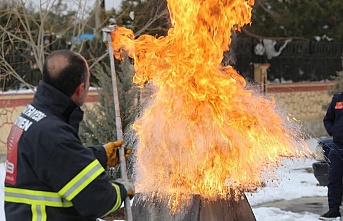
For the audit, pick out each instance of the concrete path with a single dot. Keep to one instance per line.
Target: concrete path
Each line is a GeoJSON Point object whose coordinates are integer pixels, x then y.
{"type": "Point", "coordinates": [316, 205]}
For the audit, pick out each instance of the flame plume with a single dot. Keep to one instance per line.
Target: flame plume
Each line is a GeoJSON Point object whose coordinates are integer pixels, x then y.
{"type": "Point", "coordinates": [204, 133]}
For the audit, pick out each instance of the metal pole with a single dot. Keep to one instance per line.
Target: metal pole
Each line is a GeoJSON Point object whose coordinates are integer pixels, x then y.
{"type": "Point", "coordinates": [97, 17]}
{"type": "Point", "coordinates": [107, 37]}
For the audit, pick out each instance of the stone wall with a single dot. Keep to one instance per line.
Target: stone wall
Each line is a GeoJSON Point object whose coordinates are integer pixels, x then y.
{"type": "Point", "coordinates": [305, 102]}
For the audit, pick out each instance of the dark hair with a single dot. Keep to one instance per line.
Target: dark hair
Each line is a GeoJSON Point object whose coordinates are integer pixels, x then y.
{"type": "Point", "coordinates": [67, 76]}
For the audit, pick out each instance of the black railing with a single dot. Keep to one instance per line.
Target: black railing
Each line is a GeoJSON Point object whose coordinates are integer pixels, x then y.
{"type": "Point", "coordinates": [299, 61]}
{"type": "Point", "coordinates": [23, 62]}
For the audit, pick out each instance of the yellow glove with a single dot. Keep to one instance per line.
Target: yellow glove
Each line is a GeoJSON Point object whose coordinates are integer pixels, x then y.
{"type": "Point", "coordinates": [112, 152]}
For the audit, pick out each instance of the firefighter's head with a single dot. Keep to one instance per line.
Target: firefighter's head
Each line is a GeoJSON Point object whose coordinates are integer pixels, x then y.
{"type": "Point", "coordinates": [68, 72]}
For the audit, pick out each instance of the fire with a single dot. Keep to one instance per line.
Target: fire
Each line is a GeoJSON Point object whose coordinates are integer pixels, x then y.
{"type": "Point", "coordinates": [204, 132]}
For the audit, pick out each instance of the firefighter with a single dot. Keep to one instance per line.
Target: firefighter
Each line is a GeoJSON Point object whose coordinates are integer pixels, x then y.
{"type": "Point", "coordinates": [333, 123]}
{"type": "Point", "coordinates": [50, 175]}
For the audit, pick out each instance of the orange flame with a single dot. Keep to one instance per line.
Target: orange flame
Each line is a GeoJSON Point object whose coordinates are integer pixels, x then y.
{"type": "Point", "coordinates": [204, 133]}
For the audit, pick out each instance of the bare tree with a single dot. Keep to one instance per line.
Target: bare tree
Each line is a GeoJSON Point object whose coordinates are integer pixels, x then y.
{"type": "Point", "coordinates": [144, 17]}
{"type": "Point", "coordinates": [28, 32]}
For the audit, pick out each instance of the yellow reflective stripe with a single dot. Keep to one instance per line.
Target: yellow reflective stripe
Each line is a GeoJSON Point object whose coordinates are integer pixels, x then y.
{"type": "Point", "coordinates": [38, 213]}
{"type": "Point", "coordinates": [43, 198]}
{"type": "Point", "coordinates": [118, 202]}
{"type": "Point", "coordinates": [81, 180]}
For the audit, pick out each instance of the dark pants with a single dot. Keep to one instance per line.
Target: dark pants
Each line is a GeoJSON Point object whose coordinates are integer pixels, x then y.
{"type": "Point", "coordinates": [335, 177]}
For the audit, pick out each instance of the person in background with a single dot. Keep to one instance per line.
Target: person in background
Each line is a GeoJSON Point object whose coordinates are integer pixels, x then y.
{"type": "Point", "coordinates": [50, 175]}
{"type": "Point", "coordinates": [333, 123]}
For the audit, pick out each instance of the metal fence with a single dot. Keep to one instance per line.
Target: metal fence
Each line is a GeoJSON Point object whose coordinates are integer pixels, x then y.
{"type": "Point", "coordinates": [299, 61]}
{"type": "Point", "coordinates": [22, 61]}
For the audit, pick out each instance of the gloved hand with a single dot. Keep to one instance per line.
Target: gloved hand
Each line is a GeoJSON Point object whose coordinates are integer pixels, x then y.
{"type": "Point", "coordinates": [112, 152]}
{"type": "Point", "coordinates": [129, 187]}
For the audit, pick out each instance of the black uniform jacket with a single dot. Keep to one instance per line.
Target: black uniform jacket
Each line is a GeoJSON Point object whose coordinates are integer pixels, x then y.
{"type": "Point", "coordinates": [50, 175]}
{"type": "Point", "coordinates": [333, 120]}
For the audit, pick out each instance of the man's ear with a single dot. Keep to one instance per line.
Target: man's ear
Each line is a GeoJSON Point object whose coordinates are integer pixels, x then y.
{"type": "Point", "coordinates": [80, 89]}
{"type": "Point", "coordinates": [77, 96]}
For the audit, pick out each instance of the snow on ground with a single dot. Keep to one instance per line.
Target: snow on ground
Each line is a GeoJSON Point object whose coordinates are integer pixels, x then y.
{"type": "Point", "coordinates": [272, 214]}
{"type": "Point", "coordinates": [293, 182]}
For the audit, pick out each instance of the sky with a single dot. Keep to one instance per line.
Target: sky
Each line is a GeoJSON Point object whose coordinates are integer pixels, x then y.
{"type": "Point", "coordinates": [294, 182]}
{"type": "Point", "coordinates": [109, 4]}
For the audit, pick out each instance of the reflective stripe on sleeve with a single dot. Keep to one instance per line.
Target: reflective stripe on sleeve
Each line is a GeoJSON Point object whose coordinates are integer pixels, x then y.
{"type": "Point", "coordinates": [81, 180]}
{"type": "Point", "coordinates": [118, 202]}
{"type": "Point", "coordinates": [17, 195]}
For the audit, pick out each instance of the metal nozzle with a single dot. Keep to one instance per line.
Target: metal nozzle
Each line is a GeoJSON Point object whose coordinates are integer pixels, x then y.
{"type": "Point", "coordinates": [107, 30]}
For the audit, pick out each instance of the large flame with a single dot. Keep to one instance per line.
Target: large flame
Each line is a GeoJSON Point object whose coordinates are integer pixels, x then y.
{"type": "Point", "coordinates": [204, 133]}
